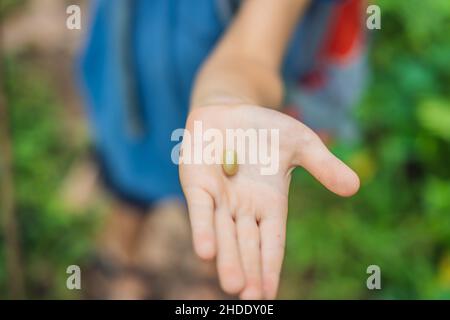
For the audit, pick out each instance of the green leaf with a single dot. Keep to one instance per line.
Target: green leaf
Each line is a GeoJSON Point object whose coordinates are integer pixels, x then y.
{"type": "Point", "coordinates": [434, 115]}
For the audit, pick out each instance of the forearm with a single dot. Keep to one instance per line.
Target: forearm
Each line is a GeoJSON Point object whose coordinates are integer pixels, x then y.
{"type": "Point", "coordinates": [245, 66]}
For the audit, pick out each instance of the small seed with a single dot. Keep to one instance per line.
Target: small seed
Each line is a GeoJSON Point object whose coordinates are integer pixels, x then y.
{"type": "Point", "coordinates": [230, 165]}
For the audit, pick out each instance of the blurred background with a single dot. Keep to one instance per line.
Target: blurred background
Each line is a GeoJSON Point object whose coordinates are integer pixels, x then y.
{"type": "Point", "coordinates": [53, 208]}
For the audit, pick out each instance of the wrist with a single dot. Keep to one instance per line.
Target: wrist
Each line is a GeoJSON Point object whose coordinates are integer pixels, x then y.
{"type": "Point", "coordinates": [236, 80]}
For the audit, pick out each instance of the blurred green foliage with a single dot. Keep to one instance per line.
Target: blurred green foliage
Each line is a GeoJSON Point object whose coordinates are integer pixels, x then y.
{"type": "Point", "coordinates": [52, 237]}
{"type": "Point", "coordinates": [7, 6]}
{"type": "Point", "coordinates": [400, 219]}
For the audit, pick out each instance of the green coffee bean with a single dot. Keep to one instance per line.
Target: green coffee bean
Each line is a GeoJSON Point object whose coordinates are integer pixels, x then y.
{"type": "Point", "coordinates": [230, 164]}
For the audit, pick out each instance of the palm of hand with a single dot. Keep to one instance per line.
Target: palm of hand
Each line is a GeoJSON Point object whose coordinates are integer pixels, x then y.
{"type": "Point", "coordinates": [242, 219]}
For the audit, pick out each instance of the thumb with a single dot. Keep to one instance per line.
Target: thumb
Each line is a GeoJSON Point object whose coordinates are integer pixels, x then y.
{"type": "Point", "coordinates": [312, 154]}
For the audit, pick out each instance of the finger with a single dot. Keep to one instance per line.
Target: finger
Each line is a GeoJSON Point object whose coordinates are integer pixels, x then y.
{"type": "Point", "coordinates": [228, 261]}
{"type": "Point", "coordinates": [272, 233]}
{"type": "Point", "coordinates": [315, 157]}
{"type": "Point", "coordinates": [248, 237]}
{"type": "Point", "coordinates": [201, 214]}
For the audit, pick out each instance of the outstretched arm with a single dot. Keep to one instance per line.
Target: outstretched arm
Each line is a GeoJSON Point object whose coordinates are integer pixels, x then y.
{"type": "Point", "coordinates": [241, 220]}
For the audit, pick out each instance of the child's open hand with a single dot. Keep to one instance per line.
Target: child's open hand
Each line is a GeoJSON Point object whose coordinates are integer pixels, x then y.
{"type": "Point", "coordinates": [242, 219]}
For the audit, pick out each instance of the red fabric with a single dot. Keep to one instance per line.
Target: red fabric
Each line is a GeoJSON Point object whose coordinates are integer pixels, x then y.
{"type": "Point", "coordinates": [313, 80]}
{"type": "Point", "coordinates": [344, 39]}
{"type": "Point", "coordinates": [345, 35]}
